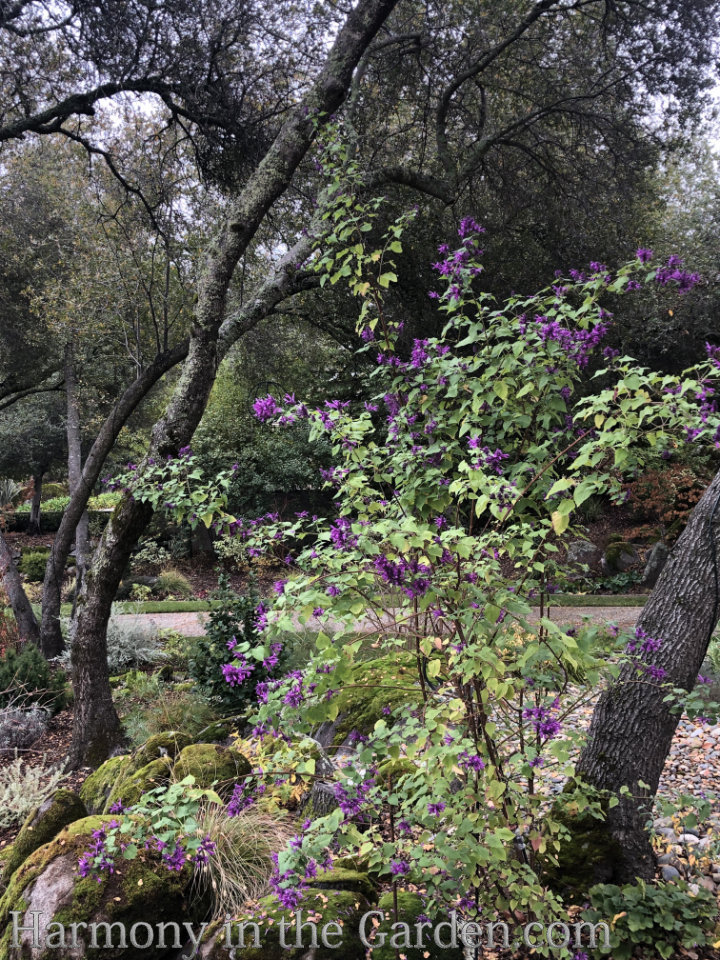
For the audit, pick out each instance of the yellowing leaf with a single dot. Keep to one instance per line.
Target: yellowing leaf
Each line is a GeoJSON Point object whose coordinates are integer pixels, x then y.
{"type": "Point", "coordinates": [560, 522]}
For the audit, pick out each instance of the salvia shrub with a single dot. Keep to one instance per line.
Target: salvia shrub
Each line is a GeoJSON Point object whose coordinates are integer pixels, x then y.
{"type": "Point", "coordinates": [219, 662]}
{"type": "Point", "coordinates": [453, 485]}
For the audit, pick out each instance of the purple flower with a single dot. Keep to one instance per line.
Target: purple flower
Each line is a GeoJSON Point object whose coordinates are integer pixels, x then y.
{"type": "Point", "coordinates": [266, 407]}
{"type": "Point", "coordinates": [237, 673]}
{"type": "Point", "coordinates": [435, 809]}
{"type": "Point", "coordinates": [399, 868]}
{"type": "Point", "coordinates": [644, 255]}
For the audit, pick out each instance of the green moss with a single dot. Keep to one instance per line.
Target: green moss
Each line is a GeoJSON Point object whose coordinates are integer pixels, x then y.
{"type": "Point", "coordinates": [169, 743]}
{"type": "Point", "coordinates": [616, 550]}
{"type": "Point", "coordinates": [98, 786]}
{"type": "Point", "coordinates": [322, 907]}
{"type": "Point", "coordinates": [343, 878]}
{"type": "Point", "coordinates": [131, 788]}
{"type": "Point", "coordinates": [211, 764]}
{"type": "Point", "coordinates": [395, 769]}
{"type": "Point", "coordinates": [374, 684]}
{"type": "Point", "coordinates": [410, 907]}
{"type": "Point", "coordinates": [42, 825]}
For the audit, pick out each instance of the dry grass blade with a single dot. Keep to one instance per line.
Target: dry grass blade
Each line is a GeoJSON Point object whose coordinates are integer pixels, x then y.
{"type": "Point", "coordinates": [240, 868]}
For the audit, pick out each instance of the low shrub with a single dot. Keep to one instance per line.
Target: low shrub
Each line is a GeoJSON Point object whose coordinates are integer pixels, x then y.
{"type": "Point", "coordinates": [22, 788]}
{"type": "Point", "coordinates": [130, 644]}
{"type": "Point", "coordinates": [233, 619]}
{"type": "Point", "coordinates": [20, 728]}
{"type": "Point", "coordinates": [667, 495]}
{"type": "Point", "coordinates": [32, 565]}
{"type": "Point", "coordinates": [26, 678]}
{"type": "Point", "coordinates": [147, 706]}
{"type": "Point", "coordinates": [658, 918]}
{"type": "Point", "coordinates": [9, 635]}
{"type": "Point", "coordinates": [172, 583]}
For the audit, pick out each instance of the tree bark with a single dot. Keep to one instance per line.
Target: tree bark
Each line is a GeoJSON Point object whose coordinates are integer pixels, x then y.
{"type": "Point", "coordinates": [24, 616]}
{"type": "Point", "coordinates": [50, 634]}
{"type": "Point", "coordinates": [74, 444]}
{"type": "Point", "coordinates": [34, 524]}
{"type": "Point", "coordinates": [632, 728]}
{"type": "Point", "coordinates": [175, 430]}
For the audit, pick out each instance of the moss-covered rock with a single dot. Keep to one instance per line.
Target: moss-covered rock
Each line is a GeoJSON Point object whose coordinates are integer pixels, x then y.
{"type": "Point", "coordinates": [166, 744]}
{"type": "Point", "coordinates": [320, 907]}
{"type": "Point", "coordinates": [344, 878]}
{"type": "Point", "coordinates": [42, 825]}
{"type": "Point", "coordinates": [99, 785]}
{"type": "Point", "coordinates": [621, 556]}
{"type": "Point", "coordinates": [211, 764]}
{"type": "Point", "coordinates": [139, 892]}
{"type": "Point", "coordinates": [129, 790]}
{"type": "Point", "coordinates": [391, 938]}
{"type": "Point", "coordinates": [373, 686]}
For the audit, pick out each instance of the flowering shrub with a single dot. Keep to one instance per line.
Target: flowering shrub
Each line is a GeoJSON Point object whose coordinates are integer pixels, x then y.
{"type": "Point", "coordinates": [231, 651]}
{"type": "Point", "coordinates": [164, 821]}
{"type": "Point", "coordinates": [453, 485]}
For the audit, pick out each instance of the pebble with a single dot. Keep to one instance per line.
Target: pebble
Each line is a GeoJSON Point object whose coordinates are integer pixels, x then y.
{"type": "Point", "coordinates": [669, 873]}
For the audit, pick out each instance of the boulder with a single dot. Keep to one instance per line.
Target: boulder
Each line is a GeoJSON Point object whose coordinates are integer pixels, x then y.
{"type": "Point", "coordinates": [656, 560]}
{"type": "Point", "coordinates": [391, 938]}
{"type": "Point", "coordinates": [320, 906]}
{"type": "Point", "coordinates": [211, 764]}
{"type": "Point", "coordinates": [582, 553]}
{"type": "Point", "coordinates": [166, 744]}
{"type": "Point", "coordinates": [42, 825]}
{"type": "Point", "coordinates": [99, 785]}
{"type": "Point", "coordinates": [130, 789]}
{"type": "Point", "coordinates": [372, 687]}
{"type": "Point", "coordinates": [140, 891]}
{"type": "Point", "coordinates": [620, 556]}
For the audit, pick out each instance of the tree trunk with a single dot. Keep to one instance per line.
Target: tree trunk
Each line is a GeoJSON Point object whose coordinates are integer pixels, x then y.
{"type": "Point", "coordinates": [24, 616]}
{"type": "Point", "coordinates": [34, 524]}
{"type": "Point", "coordinates": [632, 728]}
{"type": "Point", "coordinates": [75, 473]}
{"type": "Point", "coordinates": [50, 635]}
{"type": "Point", "coordinates": [175, 430]}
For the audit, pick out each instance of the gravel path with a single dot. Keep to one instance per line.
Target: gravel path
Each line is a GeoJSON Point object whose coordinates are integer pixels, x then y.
{"type": "Point", "coordinates": [193, 624]}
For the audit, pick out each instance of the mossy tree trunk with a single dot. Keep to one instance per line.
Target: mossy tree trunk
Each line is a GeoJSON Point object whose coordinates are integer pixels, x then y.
{"type": "Point", "coordinates": [75, 463]}
{"type": "Point", "coordinates": [632, 727]}
{"type": "Point", "coordinates": [95, 726]}
{"type": "Point", "coordinates": [11, 581]}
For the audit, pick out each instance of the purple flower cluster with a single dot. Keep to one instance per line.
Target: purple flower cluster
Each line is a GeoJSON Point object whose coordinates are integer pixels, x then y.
{"type": "Point", "coordinates": [96, 859]}
{"type": "Point", "coordinates": [266, 408]}
{"type": "Point", "coordinates": [672, 272]}
{"type": "Point", "coordinates": [410, 575]}
{"type": "Point", "coordinates": [352, 798]}
{"type": "Point", "coordinates": [236, 674]}
{"type": "Point", "coordinates": [577, 344]}
{"type": "Point", "coordinates": [546, 725]}
{"type": "Point", "coordinates": [643, 645]}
